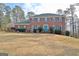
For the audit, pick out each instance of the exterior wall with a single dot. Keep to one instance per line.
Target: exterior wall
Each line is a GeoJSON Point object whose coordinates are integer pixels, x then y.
{"type": "Point", "coordinates": [47, 21]}
{"type": "Point", "coordinates": [50, 23]}
{"type": "Point", "coordinates": [27, 27]}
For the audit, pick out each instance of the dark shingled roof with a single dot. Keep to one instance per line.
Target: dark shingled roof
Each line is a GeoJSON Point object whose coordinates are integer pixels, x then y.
{"type": "Point", "coordinates": [48, 14]}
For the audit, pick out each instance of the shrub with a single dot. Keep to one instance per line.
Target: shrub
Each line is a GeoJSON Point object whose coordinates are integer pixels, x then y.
{"type": "Point", "coordinates": [20, 30]}
{"type": "Point", "coordinates": [67, 33]}
{"type": "Point", "coordinates": [34, 30]}
{"type": "Point", "coordinates": [40, 29]}
{"type": "Point", "coordinates": [51, 30]}
{"type": "Point", "coordinates": [57, 31]}
{"type": "Point", "coordinates": [12, 29]}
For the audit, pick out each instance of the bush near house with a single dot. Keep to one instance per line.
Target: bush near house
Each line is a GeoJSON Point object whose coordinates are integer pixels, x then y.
{"type": "Point", "coordinates": [58, 32]}
{"type": "Point", "coordinates": [13, 29]}
{"type": "Point", "coordinates": [40, 29]}
{"type": "Point", "coordinates": [34, 30]}
{"type": "Point", "coordinates": [21, 30]}
{"type": "Point", "coordinates": [51, 30]}
{"type": "Point", "coordinates": [67, 33]}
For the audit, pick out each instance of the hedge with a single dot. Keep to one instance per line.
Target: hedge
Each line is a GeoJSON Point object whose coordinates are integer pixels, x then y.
{"type": "Point", "coordinates": [67, 33]}
{"type": "Point", "coordinates": [58, 32]}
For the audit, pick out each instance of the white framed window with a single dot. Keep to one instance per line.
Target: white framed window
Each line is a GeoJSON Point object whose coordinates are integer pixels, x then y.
{"type": "Point", "coordinates": [42, 19]}
{"type": "Point", "coordinates": [21, 26]}
{"type": "Point", "coordinates": [60, 19]}
{"type": "Point", "coordinates": [38, 19]}
{"type": "Point", "coordinates": [35, 19]}
{"type": "Point", "coordinates": [18, 26]}
{"type": "Point", "coordinates": [50, 19]}
{"type": "Point", "coordinates": [24, 26]}
{"type": "Point", "coordinates": [58, 27]}
{"type": "Point", "coordinates": [53, 19]}
{"type": "Point", "coordinates": [47, 18]}
{"type": "Point", "coordinates": [35, 27]}
{"type": "Point", "coordinates": [56, 19]}
{"type": "Point", "coordinates": [63, 19]}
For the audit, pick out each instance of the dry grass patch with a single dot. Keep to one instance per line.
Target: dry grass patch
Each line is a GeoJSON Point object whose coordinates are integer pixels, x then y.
{"type": "Point", "coordinates": [36, 44]}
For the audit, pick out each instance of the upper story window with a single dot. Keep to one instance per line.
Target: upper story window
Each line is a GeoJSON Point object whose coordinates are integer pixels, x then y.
{"type": "Point", "coordinates": [50, 19]}
{"type": "Point", "coordinates": [56, 19]}
{"type": "Point", "coordinates": [60, 19]}
{"type": "Point", "coordinates": [42, 19]}
{"type": "Point", "coordinates": [58, 27]}
{"type": "Point", "coordinates": [63, 19]}
{"type": "Point", "coordinates": [35, 19]}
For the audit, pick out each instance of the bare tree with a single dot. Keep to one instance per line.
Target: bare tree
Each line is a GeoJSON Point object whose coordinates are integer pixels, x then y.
{"type": "Point", "coordinates": [1, 14]}
{"type": "Point", "coordinates": [17, 13]}
{"type": "Point", "coordinates": [30, 13]}
{"type": "Point", "coordinates": [60, 11]}
{"type": "Point", "coordinates": [7, 19]}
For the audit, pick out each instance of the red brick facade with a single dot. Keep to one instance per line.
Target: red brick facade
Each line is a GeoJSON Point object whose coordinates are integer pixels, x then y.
{"type": "Point", "coordinates": [41, 21]}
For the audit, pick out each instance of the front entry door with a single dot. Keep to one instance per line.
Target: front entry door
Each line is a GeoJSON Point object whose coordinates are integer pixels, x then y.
{"type": "Point", "coordinates": [46, 28]}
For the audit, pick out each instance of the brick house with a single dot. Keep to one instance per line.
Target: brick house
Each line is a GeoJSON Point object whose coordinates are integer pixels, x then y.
{"type": "Point", "coordinates": [24, 25]}
{"type": "Point", "coordinates": [46, 20]}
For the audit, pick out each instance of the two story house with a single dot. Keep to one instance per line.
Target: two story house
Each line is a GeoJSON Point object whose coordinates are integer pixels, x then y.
{"type": "Point", "coordinates": [45, 21]}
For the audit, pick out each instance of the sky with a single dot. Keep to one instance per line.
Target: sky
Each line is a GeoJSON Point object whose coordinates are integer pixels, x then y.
{"type": "Point", "coordinates": [42, 6]}
{"type": "Point", "coordinates": [26, 6]}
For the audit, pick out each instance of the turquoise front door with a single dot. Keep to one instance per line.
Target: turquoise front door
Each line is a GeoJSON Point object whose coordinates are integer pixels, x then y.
{"type": "Point", "coordinates": [46, 28]}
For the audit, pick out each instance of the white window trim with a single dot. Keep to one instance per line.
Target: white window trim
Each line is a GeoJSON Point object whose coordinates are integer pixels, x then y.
{"type": "Point", "coordinates": [60, 19]}
{"type": "Point", "coordinates": [46, 20]}
{"type": "Point", "coordinates": [57, 20]}
{"type": "Point", "coordinates": [18, 26]}
{"type": "Point", "coordinates": [34, 26]}
{"type": "Point", "coordinates": [24, 26]}
{"type": "Point", "coordinates": [54, 19]}
{"type": "Point", "coordinates": [61, 27]}
{"type": "Point", "coordinates": [37, 19]}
